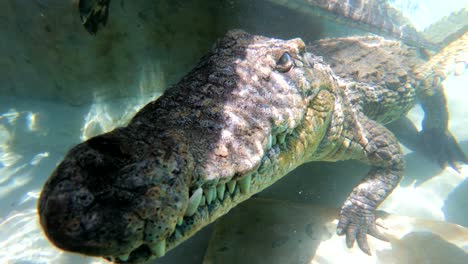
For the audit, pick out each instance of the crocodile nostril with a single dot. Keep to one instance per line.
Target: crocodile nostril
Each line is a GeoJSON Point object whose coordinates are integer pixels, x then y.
{"type": "Point", "coordinates": [83, 198]}
{"type": "Point", "coordinates": [107, 145]}
{"type": "Point", "coordinates": [72, 227]}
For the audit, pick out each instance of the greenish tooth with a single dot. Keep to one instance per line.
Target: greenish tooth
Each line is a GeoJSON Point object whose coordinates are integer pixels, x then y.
{"type": "Point", "coordinates": [282, 128]}
{"type": "Point", "coordinates": [244, 183]}
{"type": "Point", "coordinates": [123, 257]}
{"type": "Point", "coordinates": [194, 202]}
{"type": "Point", "coordinates": [231, 186]}
{"type": "Point", "coordinates": [273, 142]}
{"type": "Point", "coordinates": [159, 249]}
{"type": "Point", "coordinates": [264, 165]}
{"type": "Point", "coordinates": [220, 189]}
{"type": "Point", "coordinates": [180, 220]}
{"type": "Point", "coordinates": [177, 234]}
{"type": "Point", "coordinates": [269, 141]}
{"type": "Point", "coordinates": [210, 194]}
{"type": "Point", "coordinates": [203, 201]}
{"type": "Point", "coordinates": [281, 138]}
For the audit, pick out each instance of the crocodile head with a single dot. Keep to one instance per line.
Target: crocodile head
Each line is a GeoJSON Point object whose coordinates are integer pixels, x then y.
{"type": "Point", "coordinates": [99, 199]}
{"type": "Point", "coordinates": [231, 127]}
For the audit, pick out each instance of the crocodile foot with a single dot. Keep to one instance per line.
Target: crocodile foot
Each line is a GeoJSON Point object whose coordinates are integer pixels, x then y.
{"type": "Point", "coordinates": [443, 148]}
{"type": "Point", "coordinates": [356, 222]}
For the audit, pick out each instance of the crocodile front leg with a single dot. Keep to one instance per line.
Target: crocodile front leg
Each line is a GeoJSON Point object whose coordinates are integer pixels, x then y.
{"type": "Point", "coordinates": [357, 216]}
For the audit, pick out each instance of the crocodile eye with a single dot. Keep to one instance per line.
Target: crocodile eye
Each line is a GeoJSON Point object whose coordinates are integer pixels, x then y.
{"type": "Point", "coordinates": [285, 63]}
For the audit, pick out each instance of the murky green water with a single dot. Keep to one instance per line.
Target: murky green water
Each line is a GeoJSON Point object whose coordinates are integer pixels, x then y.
{"type": "Point", "coordinates": [60, 86]}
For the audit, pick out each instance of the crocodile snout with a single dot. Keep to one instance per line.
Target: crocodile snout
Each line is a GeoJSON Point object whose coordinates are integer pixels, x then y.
{"type": "Point", "coordinates": [104, 200]}
{"type": "Point", "coordinates": [85, 220]}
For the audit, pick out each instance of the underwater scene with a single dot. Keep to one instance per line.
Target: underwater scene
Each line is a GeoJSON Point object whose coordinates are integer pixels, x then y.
{"type": "Point", "coordinates": [234, 131]}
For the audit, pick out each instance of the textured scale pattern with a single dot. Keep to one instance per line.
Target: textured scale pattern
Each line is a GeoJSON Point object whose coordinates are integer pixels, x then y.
{"type": "Point", "coordinates": [251, 111]}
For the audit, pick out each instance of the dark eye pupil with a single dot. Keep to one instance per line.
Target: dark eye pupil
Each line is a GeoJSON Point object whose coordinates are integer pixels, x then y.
{"type": "Point", "coordinates": [284, 63]}
{"type": "Point", "coordinates": [285, 59]}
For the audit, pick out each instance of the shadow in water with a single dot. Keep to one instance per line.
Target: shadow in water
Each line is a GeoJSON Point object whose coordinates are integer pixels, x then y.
{"type": "Point", "coordinates": [420, 169]}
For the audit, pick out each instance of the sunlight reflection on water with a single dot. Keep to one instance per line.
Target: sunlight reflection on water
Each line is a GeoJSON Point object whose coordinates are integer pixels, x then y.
{"type": "Point", "coordinates": [21, 238]}
{"type": "Point", "coordinates": [22, 173]}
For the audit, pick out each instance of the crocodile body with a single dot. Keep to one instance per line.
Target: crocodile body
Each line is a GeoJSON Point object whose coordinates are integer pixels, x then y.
{"type": "Point", "coordinates": [251, 111]}
{"type": "Point", "coordinates": [376, 16]}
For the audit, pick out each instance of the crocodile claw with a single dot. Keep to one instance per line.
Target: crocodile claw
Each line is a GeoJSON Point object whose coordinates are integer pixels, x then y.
{"type": "Point", "coordinates": [443, 148]}
{"type": "Point", "coordinates": [356, 222]}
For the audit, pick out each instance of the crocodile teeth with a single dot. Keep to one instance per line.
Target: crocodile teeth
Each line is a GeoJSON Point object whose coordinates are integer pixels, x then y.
{"type": "Point", "coordinates": [203, 201]}
{"type": "Point", "coordinates": [177, 234]}
{"type": "Point", "coordinates": [194, 202]}
{"type": "Point", "coordinates": [281, 138]}
{"type": "Point", "coordinates": [269, 141]}
{"type": "Point", "coordinates": [210, 194]}
{"type": "Point", "coordinates": [220, 189]}
{"type": "Point", "coordinates": [244, 184]}
{"type": "Point", "coordinates": [273, 141]}
{"type": "Point", "coordinates": [282, 128]}
{"type": "Point", "coordinates": [123, 257]}
{"type": "Point", "coordinates": [180, 220]}
{"type": "Point", "coordinates": [159, 249]}
{"type": "Point", "coordinates": [231, 186]}
{"type": "Point", "coordinates": [265, 165]}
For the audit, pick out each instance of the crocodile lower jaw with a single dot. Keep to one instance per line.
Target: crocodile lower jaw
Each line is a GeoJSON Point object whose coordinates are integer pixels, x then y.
{"type": "Point", "coordinates": [208, 203]}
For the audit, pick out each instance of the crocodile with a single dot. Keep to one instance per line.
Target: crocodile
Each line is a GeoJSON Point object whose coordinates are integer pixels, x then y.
{"type": "Point", "coordinates": [253, 109]}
